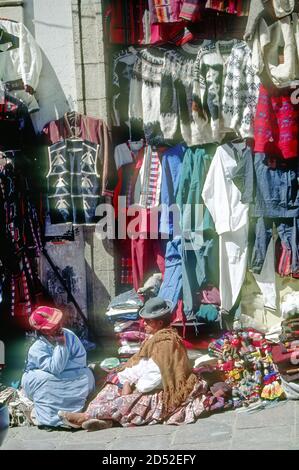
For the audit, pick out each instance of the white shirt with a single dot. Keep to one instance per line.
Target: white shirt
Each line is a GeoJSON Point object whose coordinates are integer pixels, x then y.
{"type": "Point", "coordinates": [123, 153]}
{"type": "Point", "coordinates": [221, 195]}
{"type": "Point", "coordinates": [230, 215]}
{"type": "Point", "coordinates": [145, 375]}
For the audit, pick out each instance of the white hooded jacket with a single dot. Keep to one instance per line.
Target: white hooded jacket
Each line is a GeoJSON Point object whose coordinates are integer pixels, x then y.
{"type": "Point", "coordinates": [20, 62]}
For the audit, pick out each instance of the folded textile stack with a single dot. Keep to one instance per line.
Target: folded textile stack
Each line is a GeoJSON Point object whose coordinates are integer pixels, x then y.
{"type": "Point", "coordinates": [134, 336]}
{"type": "Point", "coordinates": [124, 307]}
{"type": "Point", "coordinates": [290, 330]}
{"type": "Point", "coordinates": [245, 358]}
{"type": "Point", "coordinates": [286, 358]}
{"type": "Point", "coordinates": [123, 313]}
{"type": "Point", "coordinates": [122, 326]}
{"type": "Point", "coordinates": [128, 349]}
{"type": "Point", "coordinates": [290, 324]}
{"type": "Point", "coordinates": [286, 353]}
{"type": "Point", "coordinates": [290, 305]}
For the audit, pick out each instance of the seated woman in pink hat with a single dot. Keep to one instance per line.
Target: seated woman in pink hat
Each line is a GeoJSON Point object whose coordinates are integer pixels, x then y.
{"type": "Point", "coordinates": [56, 374]}
{"type": "Point", "coordinates": [156, 385]}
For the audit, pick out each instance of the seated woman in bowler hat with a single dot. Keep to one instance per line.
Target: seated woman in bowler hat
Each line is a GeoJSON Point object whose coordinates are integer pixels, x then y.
{"type": "Point", "coordinates": [156, 385]}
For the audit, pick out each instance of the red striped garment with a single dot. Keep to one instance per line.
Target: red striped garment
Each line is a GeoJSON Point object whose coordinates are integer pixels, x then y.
{"type": "Point", "coordinates": [276, 124]}
{"type": "Point", "coordinates": [166, 11]}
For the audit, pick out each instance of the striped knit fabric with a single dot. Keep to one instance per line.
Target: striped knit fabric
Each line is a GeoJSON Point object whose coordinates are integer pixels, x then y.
{"type": "Point", "coordinates": [20, 296]}
{"type": "Point", "coordinates": [276, 124]}
{"type": "Point", "coordinates": [126, 274]}
{"type": "Point", "coordinates": [152, 12]}
{"type": "Point", "coordinates": [167, 11]}
{"type": "Point", "coordinates": [233, 7]}
{"type": "Point", "coordinates": [148, 185]}
{"type": "Point", "coordinates": [129, 192]}
{"type": "Point", "coordinates": [21, 239]}
{"type": "Point", "coordinates": [191, 10]}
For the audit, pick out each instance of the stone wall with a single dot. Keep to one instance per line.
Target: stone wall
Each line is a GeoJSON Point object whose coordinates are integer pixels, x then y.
{"type": "Point", "coordinates": [70, 34]}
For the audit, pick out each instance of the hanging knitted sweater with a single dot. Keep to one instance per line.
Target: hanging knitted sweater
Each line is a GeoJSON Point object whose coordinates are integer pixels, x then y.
{"type": "Point", "coordinates": [144, 99]}
{"type": "Point", "coordinates": [241, 92]}
{"type": "Point", "coordinates": [176, 93]}
{"type": "Point", "coordinates": [225, 92]}
{"type": "Point", "coordinates": [123, 63]}
{"type": "Point", "coordinates": [275, 50]}
{"type": "Point", "coordinates": [209, 74]}
{"type": "Point", "coordinates": [266, 9]}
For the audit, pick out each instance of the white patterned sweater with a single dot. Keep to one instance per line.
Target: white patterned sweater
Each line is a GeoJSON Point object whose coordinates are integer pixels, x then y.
{"type": "Point", "coordinates": [176, 92]}
{"type": "Point", "coordinates": [240, 92]}
{"type": "Point", "coordinates": [144, 99]}
{"type": "Point", "coordinates": [225, 92]}
{"type": "Point", "coordinates": [175, 97]}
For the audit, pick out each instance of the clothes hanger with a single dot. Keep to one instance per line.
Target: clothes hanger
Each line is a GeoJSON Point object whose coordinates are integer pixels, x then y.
{"type": "Point", "coordinates": [231, 138]}
{"type": "Point", "coordinates": [72, 116]}
{"type": "Point", "coordinates": [237, 140]}
{"type": "Point", "coordinates": [132, 142]}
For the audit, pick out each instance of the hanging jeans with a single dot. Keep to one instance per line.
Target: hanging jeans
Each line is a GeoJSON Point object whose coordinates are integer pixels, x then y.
{"type": "Point", "coordinates": [271, 186]}
{"type": "Point", "coordinates": [171, 288]}
{"type": "Point", "coordinates": [277, 188]}
{"type": "Point", "coordinates": [263, 230]}
{"type": "Point", "coordinates": [195, 168]}
{"type": "Point", "coordinates": [200, 267]}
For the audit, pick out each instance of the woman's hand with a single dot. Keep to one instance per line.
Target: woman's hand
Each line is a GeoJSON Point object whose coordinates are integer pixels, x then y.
{"type": "Point", "coordinates": [127, 389]}
{"type": "Point", "coordinates": [58, 338]}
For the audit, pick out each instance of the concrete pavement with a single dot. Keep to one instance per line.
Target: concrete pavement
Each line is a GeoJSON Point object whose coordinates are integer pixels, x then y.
{"type": "Point", "coordinates": [276, 428]}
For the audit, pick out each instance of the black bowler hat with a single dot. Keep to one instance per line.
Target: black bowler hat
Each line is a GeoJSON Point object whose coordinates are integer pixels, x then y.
{"type": "Point", "coordinates": [156, 308]}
